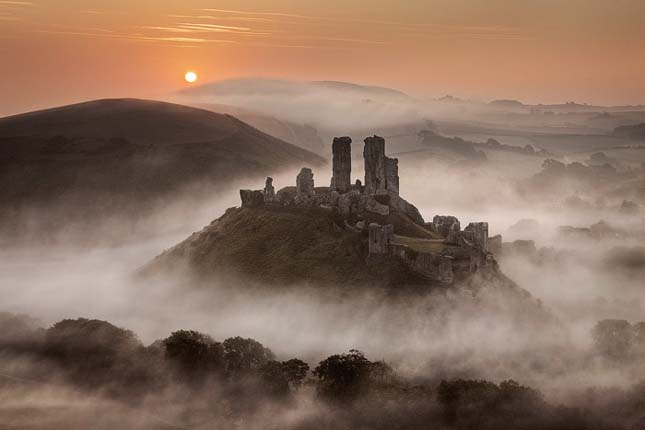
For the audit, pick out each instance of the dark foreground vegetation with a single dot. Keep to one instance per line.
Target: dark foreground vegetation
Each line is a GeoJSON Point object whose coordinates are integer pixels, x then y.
{"type": "Point", "coordinates": [190, 379]}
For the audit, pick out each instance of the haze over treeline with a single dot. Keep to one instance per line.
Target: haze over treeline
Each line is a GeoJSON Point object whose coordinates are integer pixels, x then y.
{"type": "Point", "coordinates": [568, 283]}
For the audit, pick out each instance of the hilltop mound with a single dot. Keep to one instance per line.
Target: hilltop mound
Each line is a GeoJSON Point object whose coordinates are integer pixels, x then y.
{"type": "Point", "coordinates": [283, 246]}
{"type": "Point", "coordinates": [345, 234]}
{"type": "Point", "coordinates": [95, 159]}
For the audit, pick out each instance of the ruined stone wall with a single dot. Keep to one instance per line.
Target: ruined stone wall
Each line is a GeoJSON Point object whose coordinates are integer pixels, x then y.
{"type": "Point", "coordinates": [252, 198]}
{"type": "Point", "coordinates": [379, 238]}
{"type": "Point", "coordinates": [437, 266]}
{"type": "Point", "coordinates": [434, 267]}
{"type": "Point", "coordinates": [341, 149]}
{"type": "Point", "coordinates": [443, 224]}
{"type": "Point", "coordinates": [269, 190]}
{"type": "Point", "coordinates": [374, 157]}
{"type": "Point", "coordinates": [305, 183]}
{"type": "Point", "coordinates": [480, 234]}
{"type": "Point", "coordinates": [392, 174]}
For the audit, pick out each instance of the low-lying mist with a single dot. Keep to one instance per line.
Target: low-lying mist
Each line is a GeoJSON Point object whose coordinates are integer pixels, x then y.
{"type": "Point", "coordinates": [471, 333]}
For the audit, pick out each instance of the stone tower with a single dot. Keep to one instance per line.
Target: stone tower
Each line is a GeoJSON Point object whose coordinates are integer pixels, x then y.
{"type": "Point", "coordinates": [374, 156]}
{"type": "Point", "coordinates": [341, 149]}
{"type": "Point", "coordinates": [381, 172]}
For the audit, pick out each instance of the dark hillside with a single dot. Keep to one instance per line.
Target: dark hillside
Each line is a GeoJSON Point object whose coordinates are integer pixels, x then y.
{"type": "Point", "coordinates": [85, 162]}
{"type": "Point", "coordinates": [283, 246]}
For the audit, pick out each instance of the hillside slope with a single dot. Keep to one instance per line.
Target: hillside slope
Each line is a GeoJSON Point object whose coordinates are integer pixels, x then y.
{"type": "Point", "coordinates": [635, 132]}
{"type": "Point", "coordinates": [283, 246]}
{"type": "Point", "coordinates": [95, 159]}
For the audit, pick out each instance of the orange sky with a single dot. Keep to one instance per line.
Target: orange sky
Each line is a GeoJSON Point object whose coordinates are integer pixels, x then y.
{"type": "Point", "coordinates": [59, 51]}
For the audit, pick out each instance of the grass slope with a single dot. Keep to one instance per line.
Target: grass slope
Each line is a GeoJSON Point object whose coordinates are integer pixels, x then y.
{"type": "Point", "coordinates": [100, 158]}
{"type": "Point", "coordinates": [282, 246]}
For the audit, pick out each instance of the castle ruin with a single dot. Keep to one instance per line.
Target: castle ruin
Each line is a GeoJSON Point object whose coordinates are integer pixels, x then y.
{"type": "Point", "coordinates": [439, 251]}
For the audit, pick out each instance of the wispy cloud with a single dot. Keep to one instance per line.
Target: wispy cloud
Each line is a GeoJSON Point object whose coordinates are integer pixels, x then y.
{"type": "Point", "coordinates": [188, 27]}
{"type": "Point", "coordinates": [139, 37]}
{"type": "Point", "coordinates": [192, 42]}
{"type": "Point", "coordinates": [273, 29]}
{"type": "Point", "coordinates": [420, 29]}
{"type": "Point", "coordinates": [351, 40]}
{"type": "Point", "coordinates": [168, 29]}
{"type": "Point", "coordinates": [102, 12]}
{"type": "Point", "coordinates": [222, 27]}
{"type": "Point", "coordinates": [222, 18]}
{"type": "Point", "coordinates": [206, 28]}
{"type": "Point", "coordinates": [240, 12]}
{"type": "Point", "coordinates": [16, 3]}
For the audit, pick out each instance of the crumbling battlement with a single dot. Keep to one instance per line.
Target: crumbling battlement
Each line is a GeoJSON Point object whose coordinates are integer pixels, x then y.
{"type": "Point", "coordinates": [252, 198]}
{"type": "Point", "coordinates": [456, 255]}
{"type": "Point", "coordinates": [442, 224]}
{"type": "Point", "coordinates": [444, 266]}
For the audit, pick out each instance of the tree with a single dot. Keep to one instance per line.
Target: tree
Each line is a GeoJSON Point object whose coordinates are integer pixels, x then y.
{"type": "Point", "coordinates": [193, 354]}
{"type": "Point", "coordinates": [75, 334]}
{"type": "Point", "coordinates": [343, 376]}
{"type": "Point", "coordinates": [95, 353]}
{"type": "Point", "coordinates": [613, 338]}
{"type": "Point", "coordinates": [244, 355]}
{"type": "Point", "coordinates": [274, 379]}
{"type": "Point", "coordinates": [381, 372]}
{"type": "Point", "coordinates": [482, 404]}
{"type": "Point", "coordinates": [295, 371]}
{"type": "Point", "coordinates": [638, 341]}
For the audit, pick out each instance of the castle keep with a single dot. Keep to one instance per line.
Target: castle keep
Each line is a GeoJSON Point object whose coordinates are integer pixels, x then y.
{"type": "Point", "coordinates": [439, 251]}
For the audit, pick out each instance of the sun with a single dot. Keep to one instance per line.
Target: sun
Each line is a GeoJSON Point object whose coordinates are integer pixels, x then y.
{"type": "Point", "coordinates": [190, 77]}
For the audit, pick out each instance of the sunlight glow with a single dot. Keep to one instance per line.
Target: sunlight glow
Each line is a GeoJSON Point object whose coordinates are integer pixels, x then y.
{"type": "Point", "coordinates": [190, 77]}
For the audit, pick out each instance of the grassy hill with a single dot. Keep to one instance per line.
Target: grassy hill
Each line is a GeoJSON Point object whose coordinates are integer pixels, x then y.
{"type": "Point", "coordinates": [285, 246]}
{"type": "Point", "coordinates": [91, 160]}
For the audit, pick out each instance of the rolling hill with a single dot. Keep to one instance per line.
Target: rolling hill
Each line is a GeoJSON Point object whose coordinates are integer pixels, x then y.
{"type": "Point", "coordinates": [634, 132]}
{"type": "Point", "coordinates": [88, 161]}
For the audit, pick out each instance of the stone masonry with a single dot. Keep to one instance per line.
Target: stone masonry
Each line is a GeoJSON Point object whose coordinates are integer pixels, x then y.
{"type": "Point", "coordinates": [305, 183]}
{"type": "Point", "coordinates": [251, 198]}
{"type": "Point", "coordinates": [479, 231]}
{"type": "Point", "coordinates": [392, 174]}
{"type": "Point", "coordinates": [374, 157]}
{"type": "Point", "coordinates": [380, 237]}
{"type": "Point", "coordinates": [341, 149]}
{"type": "Point", "coordinates": [381, 172]}
{"type": "Point", "coordinates": [269, 190]}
